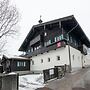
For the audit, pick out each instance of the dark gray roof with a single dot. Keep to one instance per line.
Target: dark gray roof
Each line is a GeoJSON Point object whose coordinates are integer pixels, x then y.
{"type": "Point", "coordinates": [71, 17]}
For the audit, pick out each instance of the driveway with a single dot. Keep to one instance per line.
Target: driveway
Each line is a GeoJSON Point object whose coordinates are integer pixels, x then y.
{"type": "Point", "coordinates": [79, 80]}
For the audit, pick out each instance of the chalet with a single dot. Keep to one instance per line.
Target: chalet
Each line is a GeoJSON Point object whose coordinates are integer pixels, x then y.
{"type": "Point", "coordinates": [55, 43]}
{"type": "Point", "coordinates": [13, 64]}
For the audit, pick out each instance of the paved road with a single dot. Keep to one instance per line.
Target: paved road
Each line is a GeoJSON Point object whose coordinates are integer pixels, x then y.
{"type": "Point", "coordinates": [79, 80]}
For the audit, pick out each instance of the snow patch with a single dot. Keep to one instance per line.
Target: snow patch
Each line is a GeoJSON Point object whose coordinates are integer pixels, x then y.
{"type": "Point", "coordinates": [12, 73]}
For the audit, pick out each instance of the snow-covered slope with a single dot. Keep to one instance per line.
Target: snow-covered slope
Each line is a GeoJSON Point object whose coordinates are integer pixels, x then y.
{"type": "Point", "coordinates": [31, 82]}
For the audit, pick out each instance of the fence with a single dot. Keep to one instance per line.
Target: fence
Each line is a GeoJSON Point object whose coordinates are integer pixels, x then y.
{"type": "Point", "coordinates": [57, 72]}
{"type": "Point", "coordinates": [1, 69]}
{"type": "Point", "coordinates": [9, 82]}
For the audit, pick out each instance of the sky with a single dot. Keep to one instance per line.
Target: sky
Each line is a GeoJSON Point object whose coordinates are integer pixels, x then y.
{"type": "Point", "coordinates": [30, 11]}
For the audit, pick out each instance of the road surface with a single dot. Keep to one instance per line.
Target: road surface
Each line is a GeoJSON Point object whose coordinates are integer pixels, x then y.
{"type": "Point", "coordinates": [79, 80]}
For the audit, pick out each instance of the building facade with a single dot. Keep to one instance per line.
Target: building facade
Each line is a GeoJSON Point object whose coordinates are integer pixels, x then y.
{"type": "Point", "coordinates": [15, 64]}
{"type": "Point", "coordinates": [55, 43]}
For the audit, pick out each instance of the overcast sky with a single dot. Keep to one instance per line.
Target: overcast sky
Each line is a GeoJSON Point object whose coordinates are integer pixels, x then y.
{"type": "Point", "coordinates": [30, 11]}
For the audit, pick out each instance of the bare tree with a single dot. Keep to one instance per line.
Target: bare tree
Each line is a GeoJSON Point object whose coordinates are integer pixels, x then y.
{"type": "Point", "coordinates": [8, 19]}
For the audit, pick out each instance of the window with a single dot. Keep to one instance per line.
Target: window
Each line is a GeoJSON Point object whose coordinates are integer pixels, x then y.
{"type": "Point", "coordinates": [24, 64]}
{"type": "Point", "coordinates": [73, 57]}
{"type": "Point", "coordinates": [55, 39]}
{"type": "Point", "coordinates": [58, 57]}
{"type": "Point", "coordinates": [17, 64]}
{"type": "Point", "coordinates": [71, 39]}
{"type": "Point", "coordinates": [35, 48]}
{"type": "Point", "coordinates": [62, 36]}
{"type": "Point", "coordinates": [75, 42]}
{"type": "Point", "coordinates": [32, 62]}
{"type": "Point", "coordinates": [49, 41]}
{"type": "Point", "coordinates": [58, 38]}
{"type": "Point", "coordinates": [31, 49]}
{"type": "Point", "coordinates": [39, 46]}
{"type": "Point", "coordinates": [21, 64]}
{"type": "Point", "coordinates": [68, 37]}
{"type": "Point", "coordinates": [52, 41]}
{"type": "Point", "coordinates": [48, 59]}
{"type": "Point", "coordinates": [41, 60]}
{"type": "Point", "coordinates": [45, 34]}
{"type": "Point", "coordinates": [45, 43]}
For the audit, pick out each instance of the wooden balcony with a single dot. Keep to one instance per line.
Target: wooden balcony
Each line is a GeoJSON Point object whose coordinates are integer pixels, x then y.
{"type": "Point", "coordinates": [45, 49]}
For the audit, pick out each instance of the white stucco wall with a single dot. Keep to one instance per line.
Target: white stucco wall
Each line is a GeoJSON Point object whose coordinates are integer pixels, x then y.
{"type": "Point", "coordinates": [76, 62]}
{"type": "Point", "coordinates": [76, 59]}
{"type": "Point", "coordinates": [62, 52]}
{"type": "Point", "coordinates": [87, 60]}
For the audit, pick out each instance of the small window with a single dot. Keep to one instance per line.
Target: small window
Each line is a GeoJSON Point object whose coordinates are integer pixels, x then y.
{"type": "Point", "coordinates": [39, 46]}
{"type": "Point", "coordinates": [45, 43]}
{"type": "Point", "coordinates": [75, 42]}
{"type": "Point", "coordinates": [32, 62]}
{"type": "Point", "coordinates": [62, 36]}
{"type": "Point", "coordinates": [45, 34]}
{"type": "Point", "coordinates": [58, 38]}
{"type": "Point", "coordinates": [73, 57]}
{"type": "Point", "coordinates": [24, 64]}
{"type": "Point", "coordinates": [49, 41]}
{"type": "Point", "coordinates": [35, 48]}
{"type": "Point", "coordinates": [17, 64]}
{"type": "Point", "coordinates": [20, 64]}
{"type": "Point", "coordinates": [58, 57]}
{"type": "Point", "coordinates": [55, 39]}
{"type": "Point", "coordinates": [31, 49]}
{"type": "Point", "coordinates": [71, 39]}
{"type": "Point", "coordinates": [52, 41]}
{"type": "Point", "coordinates": [41, 60]}
{"type": "Point", "coordinates": [48, 59]}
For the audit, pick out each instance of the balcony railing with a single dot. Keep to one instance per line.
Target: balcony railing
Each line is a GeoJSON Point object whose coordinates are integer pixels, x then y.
{"type": "Point", "coordinates": [45, 49]}
{"type": "Point", "coordinates": [35, 40]}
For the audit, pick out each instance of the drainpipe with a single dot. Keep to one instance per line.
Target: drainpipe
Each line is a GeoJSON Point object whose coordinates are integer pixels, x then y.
{"type": "Point", "coordinates": [70, 68]}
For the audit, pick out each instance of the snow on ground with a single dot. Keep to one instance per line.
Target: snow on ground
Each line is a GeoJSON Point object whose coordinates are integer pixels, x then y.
{"type": "Point", "coordinates": [31, 82]}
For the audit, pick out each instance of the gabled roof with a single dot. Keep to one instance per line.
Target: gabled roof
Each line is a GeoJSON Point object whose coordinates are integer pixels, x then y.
{"type": "Point", "coordinates": [5, 58]}
{"type": "Point", "coordinates": [80, 31]}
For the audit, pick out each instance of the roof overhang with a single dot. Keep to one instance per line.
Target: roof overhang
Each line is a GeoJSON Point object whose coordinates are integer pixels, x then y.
{"type": "Point", "coordinates": [78, 31]}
